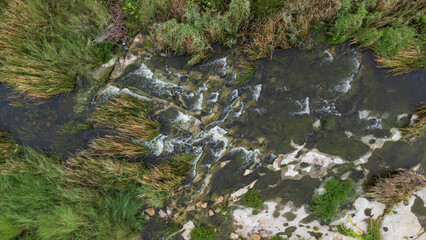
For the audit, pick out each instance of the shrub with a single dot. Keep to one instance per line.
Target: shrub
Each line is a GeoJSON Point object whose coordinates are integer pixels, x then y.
{"type": "Point", "coordinates": [46, 44]}
{"type": "Point", "coordinates": [336, 192]}
{"type": "Point", "coordinates": [347, 24]}
{"type": "Point", "coordinates": [203, 233]}
{"type": "Point", "coordinates": [253, 199]}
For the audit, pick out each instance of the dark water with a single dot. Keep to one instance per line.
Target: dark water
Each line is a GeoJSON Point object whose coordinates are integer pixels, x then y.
{"type": "Point", "coordinates": [338, 87]}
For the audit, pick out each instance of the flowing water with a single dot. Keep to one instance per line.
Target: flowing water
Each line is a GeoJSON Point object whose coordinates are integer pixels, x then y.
{"type": "Point", "coordinates": [331, 104]}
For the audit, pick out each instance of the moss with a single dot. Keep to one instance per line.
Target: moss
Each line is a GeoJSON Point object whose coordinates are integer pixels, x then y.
{"type": "Point", "coordinates": [276, 237]}
{"type": "Point", "coordinates": [336, 192]}
{"type": "Point", "coordinates": [203, 233]}
{"type": "Point", "coordinates": [253, 199]}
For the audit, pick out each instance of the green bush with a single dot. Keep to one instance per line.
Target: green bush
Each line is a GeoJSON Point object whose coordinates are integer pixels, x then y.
{"type": "Point", "coordinates": [336, 192]}
{"type": "Point", "coordinates": [253, 199]}
{"type": "Point", "coordinates": [393, 39]}
{"type": "Point", "coordinates": [347, 24]}
{"type": "Point", "coordinates": [276, 237]}
{"type": "Point", "coordinates": [203, 233]}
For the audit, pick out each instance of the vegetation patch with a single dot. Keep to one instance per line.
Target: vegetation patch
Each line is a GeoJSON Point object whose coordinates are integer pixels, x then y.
{"type": "Point", "coordinates": [397, 188]}
{"type": "Point", "coordinates": [325, 206]}
{"type": "Point", "coordinates": [393, 29]}
{"type": "Point", "coordinates": [373, 231]}
{"type": "Point", "coordinates": [253, 199]}
{"type": "Point", "coordinates": [45, 44]}
{"type": "Point", "coordinates": [203, 233]}
{"type": "Point", "coordinates": [38, 202]}
{"type": "Point", "coordinates": [8, 147]}
{"type": "Point", "coordinates": [418, 128]}
{"type": "Point", "coordinates": [127, 117]}
{"type": "Point", "coordinates": [200, 27]}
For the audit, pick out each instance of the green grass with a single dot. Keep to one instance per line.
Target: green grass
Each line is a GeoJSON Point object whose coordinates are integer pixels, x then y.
{"type": "Point", "coordinates": [203, 233]}
{"type": "Point", "coordinates": [253, 199]}
{"type": "Point", "coordinates": [325, 206]}
{"type": "Point", "coordinates": [373, 231]}
{"type": "Point", "coordinates": [276, 237]}
{"type": "Point", "coordinates": [46, 44]}
{"type": "Point", "coordinates": [36, 198]}
{"type": "Point", "coordinates": [127, 119]}
{"type": "Point", "coordinates": [48, 197]}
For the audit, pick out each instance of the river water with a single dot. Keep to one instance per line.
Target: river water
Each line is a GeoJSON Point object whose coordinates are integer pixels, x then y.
{"type": "Point", "coordinates": [332, 101]}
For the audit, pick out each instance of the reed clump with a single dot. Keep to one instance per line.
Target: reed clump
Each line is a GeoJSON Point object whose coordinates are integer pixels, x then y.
{"type": "Point", "coordinates": [44, 45]}
{"type": "Point", "coordinates": [397, 187]}
{"type": "Point", "coordinates": [417, 128]}
{"type": "Point", "coordinates": [128, 119]}
{"type": "Point", "coordinates": [38, 202]}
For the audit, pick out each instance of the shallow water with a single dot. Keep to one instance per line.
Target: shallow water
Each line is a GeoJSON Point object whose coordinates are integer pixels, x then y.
{"type": "Point", "coordinates": [325, 99]}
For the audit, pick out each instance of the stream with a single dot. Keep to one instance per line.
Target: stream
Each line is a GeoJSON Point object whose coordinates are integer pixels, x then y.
{"type": "Point", "coordinates": [303, 116]}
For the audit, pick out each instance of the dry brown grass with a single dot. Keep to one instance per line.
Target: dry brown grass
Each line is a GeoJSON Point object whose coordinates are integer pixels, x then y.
{"type": "Point", "coordinates": [115, 146]}
{"type": "Point", "coordinates": [397, 188]}
{"type": "Point", "coordinates": [418, 128]}
{"type": "Point", "coordinates": [289, 27]}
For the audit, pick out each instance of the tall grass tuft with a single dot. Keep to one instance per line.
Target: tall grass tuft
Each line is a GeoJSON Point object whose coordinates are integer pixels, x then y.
{"type": "Point", "coordinates": [45, 44]}
{"type": "Point", "coordinates": [36, 199]}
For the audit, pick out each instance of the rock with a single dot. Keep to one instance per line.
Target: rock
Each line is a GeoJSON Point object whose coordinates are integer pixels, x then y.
{"type": "Point", "coordinates": [150, 211]}
{"type": "Point", "coordinates": [402, 223]}
{"type": "Point", "coordinates": [190, 208]}
{"type": "Point", "coordinates": [211, 213]}
{"type": "Point", "coordinates": [204, 205]}
{"type": "Point", "coordinates": [255, 236]}
{"type": "Point", "coordinates": [233, 236]}
{"type": "Point", "coordinates": [162, 213]}
{"type": "Point", "coordinates": [187, 228]}
{"type": "Point", "coordinates": [219, 200]}
{"type": "Point", "coordinates": [222, 164]}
